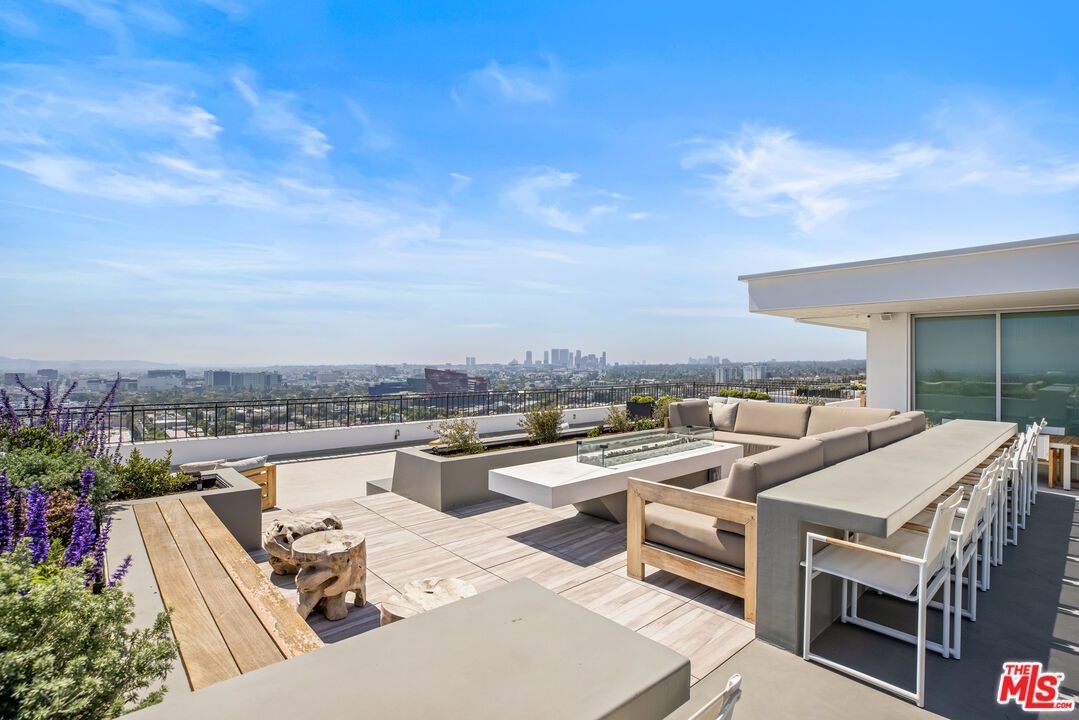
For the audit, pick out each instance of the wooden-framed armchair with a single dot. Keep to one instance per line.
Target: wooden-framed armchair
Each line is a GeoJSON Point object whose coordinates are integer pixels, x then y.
{"type": "Point", "coordinates": [697, 535]}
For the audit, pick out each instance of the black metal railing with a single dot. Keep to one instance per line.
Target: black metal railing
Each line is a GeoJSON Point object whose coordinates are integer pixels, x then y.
{"type": "Point", "coordinates": [168, 421]}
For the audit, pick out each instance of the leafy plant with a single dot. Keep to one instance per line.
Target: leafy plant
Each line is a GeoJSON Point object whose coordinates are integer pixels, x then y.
{"type": "Point", "coordinates": [458, 435]}
{"type": "Point", "coordinates": [662, 410]}
{"type": "Point", "coordinates": [68, 653]}
{"type": "Point", "coordinates": [141, 477]}
{"type": "Point", "coordinates": [595, 432]}
{"type": "Point", "coordinates": [60, 471]}
{"type": "Point", "coordinates": [618, 419]}
{"type": "Point", "coordinates": [543, 424]}
{"type": "Point", "coordinates": [645, 424]}
{"type": "Point", "coordinates": [644, 399]}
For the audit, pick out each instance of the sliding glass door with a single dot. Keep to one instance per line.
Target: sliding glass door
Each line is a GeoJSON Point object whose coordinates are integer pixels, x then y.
{"type": "Point", "coordinates": [955, 367]}
{"type": "Point", "coordinates": [1039, 368]}
{"type": "Point", "coordinates": [959, 358]}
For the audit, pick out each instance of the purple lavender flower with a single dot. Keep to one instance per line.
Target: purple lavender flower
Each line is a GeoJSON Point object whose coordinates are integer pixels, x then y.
{"type": "Point", "coordinates": [37, 528]}
{"type": "Point", "coordinates": [82, 531]}
{"type": "Point", "coordinates": [7, 513]}
{"type": "Point", "coordinates": [99, 547]}
{"type": "Point", "coordinates": [120, 571]}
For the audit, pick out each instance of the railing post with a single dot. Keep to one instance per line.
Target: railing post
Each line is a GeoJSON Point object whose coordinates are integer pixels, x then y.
{"type": "Point", "coordinates": [217, 419]}
{"type": "Point", "coordinates": [288, 416]}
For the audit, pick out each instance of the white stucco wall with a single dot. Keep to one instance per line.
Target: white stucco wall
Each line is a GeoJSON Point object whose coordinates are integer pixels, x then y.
{"type": "Point", "coordinates": [887, 362]}
{"type": "Point", "coordinates": [309, 441]}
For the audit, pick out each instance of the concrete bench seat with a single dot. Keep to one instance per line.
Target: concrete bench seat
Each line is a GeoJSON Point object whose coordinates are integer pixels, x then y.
{"type": "Point", "coordinates": [226, 616]}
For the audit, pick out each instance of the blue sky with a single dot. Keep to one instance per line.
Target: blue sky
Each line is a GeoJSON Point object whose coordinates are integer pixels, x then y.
{"type": "Point", "coordinates": [276, 182]}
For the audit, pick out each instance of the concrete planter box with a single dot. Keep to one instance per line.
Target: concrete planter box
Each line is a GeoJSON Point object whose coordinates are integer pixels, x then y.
{"type": "Point", "coordinates": [640, 410]}
{"type": "Point", "coordinates": [446, 483]}
{"type": "Point", "coordinates": [238, 505]}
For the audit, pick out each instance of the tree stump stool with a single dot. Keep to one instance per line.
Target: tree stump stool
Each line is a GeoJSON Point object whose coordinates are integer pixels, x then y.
{"type": "Point", "coordinates": [422, 595]}
{"type": "Point", "coordinates": [332, 563]}
{"type": "Point", "coordinates": [287, 529]}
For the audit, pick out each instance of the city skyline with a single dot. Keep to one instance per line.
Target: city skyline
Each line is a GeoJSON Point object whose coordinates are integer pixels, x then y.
{"type": "Point", "coordinates": [429, 183]}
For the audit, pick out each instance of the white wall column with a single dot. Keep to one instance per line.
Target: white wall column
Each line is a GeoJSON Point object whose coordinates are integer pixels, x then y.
{"type": "Point", "coordinates": [888, 361]}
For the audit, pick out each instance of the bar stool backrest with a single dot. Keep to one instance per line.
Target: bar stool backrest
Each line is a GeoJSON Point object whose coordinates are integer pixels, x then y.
{"type": "Point", "coordinates": [939, 533]}
{"type": "Point", "coordinates": [975, 509]}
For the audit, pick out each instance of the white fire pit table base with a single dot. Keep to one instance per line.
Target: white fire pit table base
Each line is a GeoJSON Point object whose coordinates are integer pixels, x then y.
{"type": "Point", "coordinates": [601, 491]}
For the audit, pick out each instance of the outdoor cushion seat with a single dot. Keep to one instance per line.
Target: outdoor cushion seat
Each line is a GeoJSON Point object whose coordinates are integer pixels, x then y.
{"type": "Point", "coordinates": [245, 464]}
{"type": "Point", "coordinates": [690, 413]}
{"type": "Point", "coordinates": [842, 444]}
{"type": "Point", "coordinates": [755, 474]}
{"type": "Point", "coordinates": [773, 419]}
{"type": "Point", "coordinates": [824, 418]}
{"type": "Point", "coordinates": [763, 442]}
{"type": "Point", "coordinates": [917, 417]}
{"type": "Point", "coordinates": [889, 431]}
{"type": "Point", "coordinates": [693, 533]}
{"type": "Point", "coordinates": [193, 468]}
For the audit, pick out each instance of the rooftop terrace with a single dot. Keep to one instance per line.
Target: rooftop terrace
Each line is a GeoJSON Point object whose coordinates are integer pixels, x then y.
{"type": "Point", "coordinates": [1031, 613]}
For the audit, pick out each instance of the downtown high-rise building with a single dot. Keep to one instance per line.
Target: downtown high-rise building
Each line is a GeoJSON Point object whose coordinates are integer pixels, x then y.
{"type": "Point", "coordinates": [528, 357]}
{"type": "Point", "coordinates": [546, 357]}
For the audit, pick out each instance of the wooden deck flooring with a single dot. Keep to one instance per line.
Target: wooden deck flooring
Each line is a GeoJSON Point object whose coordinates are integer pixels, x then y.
{"type": "Point", "coordinates": [578, 556]}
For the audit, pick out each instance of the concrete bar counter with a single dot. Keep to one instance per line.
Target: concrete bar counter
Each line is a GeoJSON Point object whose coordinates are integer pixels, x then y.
{"type": "Point", "coordinates": [875, 493]}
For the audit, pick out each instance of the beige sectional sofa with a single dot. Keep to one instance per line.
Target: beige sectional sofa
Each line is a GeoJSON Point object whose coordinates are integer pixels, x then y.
{"type": "Point", "coordinates": [709, 533]}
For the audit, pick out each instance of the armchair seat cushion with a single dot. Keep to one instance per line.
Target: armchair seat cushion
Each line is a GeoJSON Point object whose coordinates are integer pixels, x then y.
{"type": "Point", "coordinates": [693, 533]}
{"type": "Point", "coordinates": [759, 441]}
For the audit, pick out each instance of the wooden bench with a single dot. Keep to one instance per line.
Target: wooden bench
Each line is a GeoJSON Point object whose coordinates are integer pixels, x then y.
{"type": "Point", "coordinates": [226, 616]}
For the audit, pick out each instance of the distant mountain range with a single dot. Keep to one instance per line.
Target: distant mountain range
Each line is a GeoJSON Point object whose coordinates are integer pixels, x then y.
{"type": "Point", "coordinates": [27, 365]}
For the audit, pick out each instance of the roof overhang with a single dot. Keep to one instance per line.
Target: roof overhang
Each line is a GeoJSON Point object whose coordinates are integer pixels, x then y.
{"type": "Point", "coordinates": [1032, 274]}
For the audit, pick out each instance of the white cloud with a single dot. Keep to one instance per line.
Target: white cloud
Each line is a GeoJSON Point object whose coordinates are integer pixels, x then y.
{"type": "Point", "coordinates": [168, 180]}
{"type": "Point", "coordinates": [638, 216]}
{"type": "Point", "coordinates": [274, 114]}
{"type": "Point", "coordinates": [372, 134]}
{"type": "Point", "coordinates": [544, 194]}
{"type": "Point", "coordinates": [512, 83]}
{"type": "Point", "coordinates": [47, 110]}
{"type": "Point", "coordinates": [769, 171]}
{"type": "Point", "coordinates": [16, 22]}
{"type": "Point", "coordinates": [460, 182]}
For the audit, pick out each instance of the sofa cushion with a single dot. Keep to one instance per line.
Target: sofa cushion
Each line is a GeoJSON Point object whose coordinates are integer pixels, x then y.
{"type": "Point", "coordinates": [752, 475]}
{"type": "Point", "coordinates": [917, 417]}
{"type": "Point", "coordinates": [690, 412]}
{"type": "Point", "coordinates": [723, 416]}
{"type": "Point", "coordinates": [889, 431]}
{"type": "Point", "coordinates": [824, 419]}
{"type": "Point", "coordinates": [842, 444]}
{"type": "Point", "coordinates": [192, 468]}
{"type": "Point", "coordinates": [693, 533]}
{"type": "Point", "coordinates": [245, 464]}
{"type": "Point", "coordinates": [776, 419]}
{"type": "Point", "coordinates": [752, 444]}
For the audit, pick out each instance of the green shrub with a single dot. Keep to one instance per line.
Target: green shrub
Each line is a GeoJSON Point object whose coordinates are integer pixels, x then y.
{"type": "Point", "coordinates": [141, 477]}
{"type": "Point", "coordinates": [543, 424]}
{"type": "Point", "coordinates": [646, 399]}
{"type": "Point", "coordinates": [662, 410]}
{"type": "Point", "coordinates": [618, 419]}
{"type": "Point", "coordinates": [53, 471]}
{"type": "Point", "coordinates": [644, 424]}
{"type": "Point", "coordinates": [66, 652]}
{"type": "Point", "coordinates": [754, 395]}
{"type": "Point", "coordinates": [596, 431]}
{"type": "Point", "coordinates": [458, 435]}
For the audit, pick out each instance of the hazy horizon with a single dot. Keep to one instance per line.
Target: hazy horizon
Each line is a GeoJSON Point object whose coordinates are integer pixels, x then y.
{"type": "Point", "coordinates": [315, 183]}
